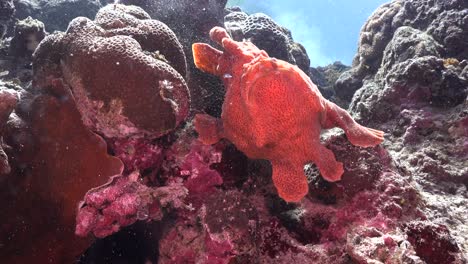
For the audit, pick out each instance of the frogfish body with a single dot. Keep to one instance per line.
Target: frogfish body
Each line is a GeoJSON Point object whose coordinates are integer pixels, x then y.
{"type": "Point", "coordinates": [273, 111]}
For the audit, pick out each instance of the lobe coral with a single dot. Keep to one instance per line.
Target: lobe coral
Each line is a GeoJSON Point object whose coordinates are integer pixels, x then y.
{"type": "Point", "coordinates": [273, 111]}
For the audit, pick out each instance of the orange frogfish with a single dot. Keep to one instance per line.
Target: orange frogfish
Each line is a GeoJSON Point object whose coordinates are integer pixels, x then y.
{"type": "Point", "coordinates": [273, 111]}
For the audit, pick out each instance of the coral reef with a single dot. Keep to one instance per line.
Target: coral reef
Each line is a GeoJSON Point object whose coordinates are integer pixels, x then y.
{"type": "Point", "coordinates": [266, 118]}
{"type": "Point", "coordinates": [55, 160]}
{"type": "Point", "coordinates": [443, 21]}
{"type": "Point", "coordinates": [325, 77]}
{"type": "Point", "coordinates": [429, 239]}
{"type": "Point", "coordinates": [413, 83]}
{"type": "Point", "coordinates": [56, 14]}
{"type": "Point", "coordinates": [151, 85]}
{"type": "Point", "coordinates": [53, 154]}
{"type": "Point", "coordinates": [7, 10]}
{"type": "Point", "coordinates": [252, 226]}
{"type": "Point", "coordinates": [28, 33]}
{"type": "Point", "coordinates": [122, 202]}
{"type": "Point", "coordinates": [199, 16]}
{"type": "Point", "coordinates": [84, 179]}
{"type": "Point", "coordinates": [8, 100]}
{"type": "Point", "coordinates": [189, 27]}
{"type": "Point", "coordinates": [262, 31]}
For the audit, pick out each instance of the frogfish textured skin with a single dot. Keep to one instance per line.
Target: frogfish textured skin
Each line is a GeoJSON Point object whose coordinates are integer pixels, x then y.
{"type": "Point", "coordinates": [273, 111]}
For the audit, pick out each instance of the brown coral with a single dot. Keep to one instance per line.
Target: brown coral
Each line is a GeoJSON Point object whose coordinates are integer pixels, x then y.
{"type": "Point", "coordinates": [111, 64]}
{"type": "Point", "coordinates": [65, 161]}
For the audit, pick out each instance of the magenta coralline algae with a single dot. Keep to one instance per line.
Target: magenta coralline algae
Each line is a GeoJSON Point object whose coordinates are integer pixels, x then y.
{"type": "Point", "coordinates": [122, 202]}
{"type": "Point", "coordinates": [189, 161]}
{"type": "Point", "coordinates": [432, 242]}
{"type": "Point", "coordinates": [137, 154]}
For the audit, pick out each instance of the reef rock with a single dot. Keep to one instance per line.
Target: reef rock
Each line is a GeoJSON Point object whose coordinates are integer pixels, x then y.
{"type": "Point", "coordinates": [191, 20]}
{"type": "Point", "coordinates": [198, 16]}
{"type": "Point", "coordinates": [411, 78]}
{"type": "Point", "coordinates": [325, 77]}
{"type": "Point", "coordinates": [52, 159]}
{"type": "Point", "coordinates": [210, 241]}
{"type": "Point", "coordinates": [267, 35]}
{"type": "Point", "coordinates": [56, 14]}
{"type": "Point", "coordinates": [443, 21]}
{"type": "Point", "coordinates": [16, 50]}
{"type": "Point", "coordinates": [7, 10]}
{"type": "Point", "coordinates": [8, 101]}
{"type": "Point", "coordinates": [172, 199]}
{"type": "Point", "coordinates": [55, 160]}
{"type": "Point", "coordinates": [28, 33]}
{"type": "Point", "coordinates": [123, 201]}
